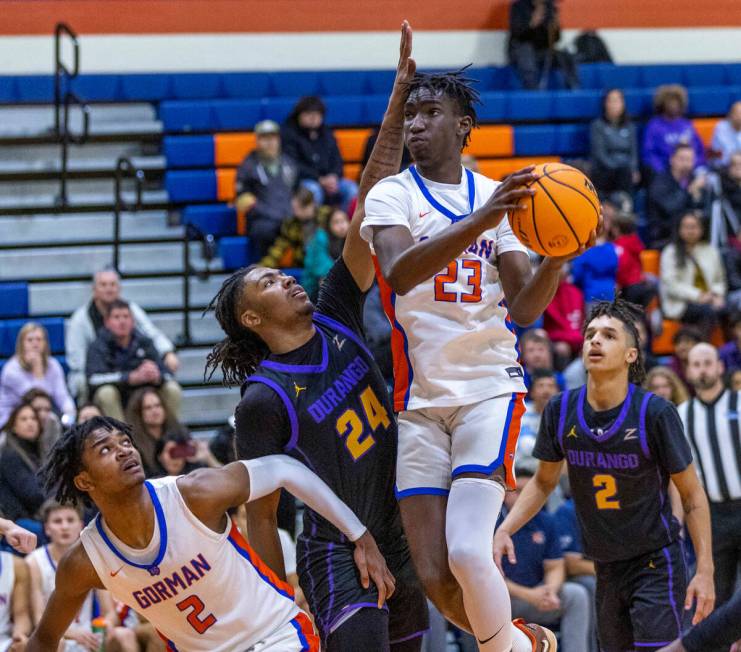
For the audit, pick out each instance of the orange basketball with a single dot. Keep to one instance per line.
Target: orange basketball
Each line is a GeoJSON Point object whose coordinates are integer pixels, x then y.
{"type": "Point", "coordinates": [561, 214]}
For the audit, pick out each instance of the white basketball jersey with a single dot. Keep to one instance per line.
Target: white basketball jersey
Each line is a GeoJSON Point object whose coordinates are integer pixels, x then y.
{"type": "Point", "coordinates": [7, 582]}
{"type": "Point", "coordinates": [453, 341]}
{"type": "Point", "coordinates": [203, 591]}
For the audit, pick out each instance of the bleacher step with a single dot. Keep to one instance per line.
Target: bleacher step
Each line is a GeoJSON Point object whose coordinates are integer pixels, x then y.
{"type": "Point", "coordinates": [192, 364]}
{"type": "Point", "coordinates": [40, 169]}
{"type": "Point", "coordinates": [208, 405]}
{"type": "Point", "coordinates": [31, 202]}
{"type": "Point", "coordinates": [204, 329]}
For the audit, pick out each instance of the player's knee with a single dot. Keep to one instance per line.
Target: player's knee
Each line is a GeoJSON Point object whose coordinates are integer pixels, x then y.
{"type": "Point", "coordinates": [468, 559]}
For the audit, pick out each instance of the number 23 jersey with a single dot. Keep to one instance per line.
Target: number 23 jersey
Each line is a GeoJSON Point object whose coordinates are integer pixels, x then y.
{"type": "Point", "coordinates": [453, 342]}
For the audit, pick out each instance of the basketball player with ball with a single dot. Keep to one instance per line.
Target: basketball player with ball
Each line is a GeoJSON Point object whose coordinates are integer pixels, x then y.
{"type": "Point", "coordinates": [453, 276]}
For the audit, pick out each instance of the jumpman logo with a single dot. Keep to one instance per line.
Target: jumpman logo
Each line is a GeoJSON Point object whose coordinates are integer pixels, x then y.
{"type": "Point", "coordinates": [651, 564]}
{"type": "Point", "coordinates": [630, 433]}
{"type": "Point", "coordinates": [298, 389]}
{"type": "Point", "coordinates": [572, 432]}
{"type": "Point", "coordinates": [338, 342]}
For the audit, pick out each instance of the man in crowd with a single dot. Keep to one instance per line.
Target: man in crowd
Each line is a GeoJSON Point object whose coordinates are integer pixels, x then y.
{"type": "Point", "coordinates": [537, 582]}
{"type": "Point", "coordinates": [266, 180]}
{"type": "Point", "coordinates": [673, 192]}
{"type": "Point", "coordinates": [121, 359]}
{"type": "Point", "coordinates": [535, 348]}
{"type": "Point", "coordinates": [727, 134]}
{"type": "Point", "coordinates": [711, 422]}
{"type": "Point", "coordinates": [543, 386]}
{"type": "Point", "coordinates": [82, 329]}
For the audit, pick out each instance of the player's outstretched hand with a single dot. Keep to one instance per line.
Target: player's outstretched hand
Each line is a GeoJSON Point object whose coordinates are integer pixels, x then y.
{"type": "Point", "coordinates": [701, 589]}
{"type": "Point", "coordinates": [508, 195]}
{"type": "Point", "coordinates": [372, 567]}
{"type": "Point", "coordinates": [20, 538]}
{"type": "Point", "coordinates": [503, 546]}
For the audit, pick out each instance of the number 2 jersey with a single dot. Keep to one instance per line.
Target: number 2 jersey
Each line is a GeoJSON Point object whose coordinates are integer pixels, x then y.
{"type": "Point", "coordinates": [452, 340]}
{"type": "Point", "coordinates": [619, 462]}
{"type": "Point", "coordinates": [203, 591]}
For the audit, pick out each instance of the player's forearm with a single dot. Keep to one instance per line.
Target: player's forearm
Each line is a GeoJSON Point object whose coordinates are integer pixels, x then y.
{"type": "Point", "coordinates": [42, 642]}
{"type": "Point", "coordinates": [528, 504]}
{"type": "Point", "coordinates": [385, 159]}
{"type": "Point", "coordinates": [697, 519]}
{"type": "Point", "coordinates": [532, 300]}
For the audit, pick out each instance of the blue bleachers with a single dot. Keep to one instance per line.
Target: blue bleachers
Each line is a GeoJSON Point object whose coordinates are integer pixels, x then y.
{"type": "Point", "coordinates": [234, 251]}
{"type": "Point", "coordinates": [13, 299]}
{"type": "Point", "coordinates": [191, 185]}
{"type": "Point", "coordinates": [218, 219]}
{"type": "Point", "coordinates": [9, 332]}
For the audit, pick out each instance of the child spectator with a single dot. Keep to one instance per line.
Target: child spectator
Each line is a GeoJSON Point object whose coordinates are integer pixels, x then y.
{"type": "Point", "coordinates": [693, 283]}
{"type": "Point", "coordinates": [21, 493]}
{"type": "Point", "coordinates": [323, 250]}
{"type": "Point", "coordinates": [664, 382]}
{"type": "Point", "coordinates": [563, 319]}
{"type": "Point", "coordinates": [668, 128]}
{"type": "Point", "coordinates": [309, 142]}
{"type": "Point", "coordinates": [595, 271]}
{"type": "Point", "coordinates": [62, 525]}
{"type": "Point", "coordinates": [288, 250]}
{"type": "Point", "coordinates": [727, 134]}
{"type": "Point", "coordinates": [730, 352]}
{"type": "Point", "coordinates": [122, 359]}
{"type": "Point", "coordinates": [614, 146]}
{"type": "Point", "coordinates": [33, 366]}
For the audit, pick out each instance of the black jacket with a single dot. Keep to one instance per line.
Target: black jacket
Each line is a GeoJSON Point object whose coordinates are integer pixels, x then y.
{"type": "Point", "coordinates": [109, 364]}
{"type": "Point", "coordinates": [315, 156]}
{"type": "Point", "coordinates": [273, 191]}
{"type": "Point", "coordinates": [520, 14]}
{"type": "Point", "coordinates": [21, 494]}
{"type": "Point", "coordinates": [667, 200]}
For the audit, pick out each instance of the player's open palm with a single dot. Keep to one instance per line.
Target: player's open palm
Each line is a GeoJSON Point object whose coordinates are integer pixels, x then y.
{"type": "Point", "coordinates": [372, 567]}
{"type": "Point", "coordinates": [407, 66]}
{"type": "Point", "coordinates": [701, 590]}
{"type": "Point", "coordinates": [503, 546]}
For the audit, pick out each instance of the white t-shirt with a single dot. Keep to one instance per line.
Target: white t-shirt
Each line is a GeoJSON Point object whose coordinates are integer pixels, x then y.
{"type": "Point", "coordinates": [453, 341]}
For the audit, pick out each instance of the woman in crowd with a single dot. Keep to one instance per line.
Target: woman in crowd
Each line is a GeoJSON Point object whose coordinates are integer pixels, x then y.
{"type": "Point", "coordinates": [323, 250]}
{"type": "Point", "coordinates": [614, 146]}
{"type": "Point", "coordinates": [693, 281]}
{"type": "Point", "coordinates": [663, 382]}
{"type": "Point", "coordinates": [87, 412]}
{"type": "Point", "coordinates": [21, 493]}
{"type": "Point", "coordinates": [668, 128]}
{"type": "Point", "coordinates": [51, 426]}
{"type": "Point", "coordinates": [32, 366]}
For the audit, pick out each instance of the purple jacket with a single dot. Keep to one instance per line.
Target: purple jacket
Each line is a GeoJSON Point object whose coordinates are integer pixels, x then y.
{"type": "Point", "coordinates": [15, 381]}
{"type": "Point", "coordinates": [731, 356]}
{"type": "Point", "coordinates": [662, 136]}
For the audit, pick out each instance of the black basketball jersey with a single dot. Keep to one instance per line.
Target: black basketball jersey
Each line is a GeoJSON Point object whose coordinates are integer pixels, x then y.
{"type": "Point", "coordinates": [332, 412]}
{"type": "Point", "coordinates": [619, 462]}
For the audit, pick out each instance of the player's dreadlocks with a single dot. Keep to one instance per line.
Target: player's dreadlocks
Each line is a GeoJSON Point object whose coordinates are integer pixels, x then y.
{"type": "Point", "coordinates": [455, 85]}
{"type": "Point", "coordinates": [629, 314]}
{"type": "Point", "coordinates": [241, 351]}
{"type": "Point", "coordinates": [64, 461]}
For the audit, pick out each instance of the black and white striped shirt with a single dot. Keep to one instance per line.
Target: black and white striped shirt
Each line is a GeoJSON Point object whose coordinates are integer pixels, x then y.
{"type": "Point", "coordinates": [715, 438]}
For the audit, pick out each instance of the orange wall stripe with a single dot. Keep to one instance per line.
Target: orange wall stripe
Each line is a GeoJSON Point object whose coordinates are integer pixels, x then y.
{"type": "Point", "coordinates": [498, 168]}
{"type": "Point", "coordinates": [352, 143]}
{"type": "Point", "coordinates": [226, 179]}
{"type": "Point", "coordinates": [490, 141]}
{"type": "Point", "coordinates": [705, 128]}
{"type": "Point", "coordinates": [230, 149]}
{"type": "Point", "coordinates": [235, 16]}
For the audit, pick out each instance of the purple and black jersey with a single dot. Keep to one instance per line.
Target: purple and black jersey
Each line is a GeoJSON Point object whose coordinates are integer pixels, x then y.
{"type": "Point", "coordinates": [619, 462]}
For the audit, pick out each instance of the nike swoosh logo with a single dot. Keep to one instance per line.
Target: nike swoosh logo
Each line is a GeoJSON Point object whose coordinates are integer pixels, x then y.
{"type": "Point", "coordinates": [117, 572]}
{"type": "Point", "coordinates": [492, 636]}
{"type": "Point", "coordinates": [421, 214]}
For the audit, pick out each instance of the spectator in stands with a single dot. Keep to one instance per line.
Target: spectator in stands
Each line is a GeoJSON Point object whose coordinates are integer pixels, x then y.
{"type": "Point", "coordinates": [536, 353]}
{"type": "Point", "coordinates": [177, 456]}
{"type": "Point", "coordinates": [674, 192]}
{"type": "Point", "coordinates": [730, 183]}
{"type": "Point", "coordinates": [668, 128]}
{"type": "Point", "coordinates": [122, 359]}
{"type": "Point", "coordinates": [543, 386]}
{"type": "Point", "coordinates": [614, 146]}
{"type": "Point", "coordinates": [289, 247]}
{"type": "Point", "coordinates": [406, 157]}
{"type": "Point", "coordinates": [51, 426]}
{"type": "Point", "coordinates": [563, 319]}
{"type": "Point", "coordinates": [683, 341]}
{"type": "Point", "coordinates": [534, 30]}
{"type": "Point", "coordinates": [727, 134]}
{"type": "Point", "coordinates": [87, 320]}
{"type": "Point", "coordinates": [595, 271]}
{"type": "Point", "coordinates": [664, 382]}
{"type": "Point", "coordinates": [21, 493]}
{"type": "Point", "coordinates": [266, 180]}
{"type": "Point", "coordinates": [733, 381]}
{"type": "Point", "coordinates": [730, 352]}
{"type": "Point", "coordinates": [693, 283]}
{"type": "Point", "coordinates": [33, 366]}
{"type": "Point", "coordinates": [537, 583]}
{"type": "Point", "coordinates": [15, 610]}
{"type": "Point", "coordinates": [312, 145]}
{"type": "Point", "coordinates": [323, 250]}
{"type": "Point", "coordinates": [87, 412]}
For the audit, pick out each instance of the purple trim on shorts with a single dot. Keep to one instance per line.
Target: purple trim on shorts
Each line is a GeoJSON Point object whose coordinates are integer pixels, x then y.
{"type": "Point", "coordinates": [647, 644]}
{"type": "Point", "coordinates": [421, 632]}
{"type": "Point", "coordinates": [357, 606]}
{"type": "Point", "coordinates": [292, 416]}
{"type": "Point", "coordinates": [326, 321]}
{"type": "Point", "coordinates": [615, 425]}
{"type": "Point", "coordinates": [672, 601]}
{"type": "Point", "coordinates": [562, 419]}
{"type": "Point", "coordinates": [420, 491]}
{"type": "Point", "coordinates": [642, 425]}
{"type": "Point", "coordinates": [330, 573]}
{"type": "Point", "coordinates": [301, 368]}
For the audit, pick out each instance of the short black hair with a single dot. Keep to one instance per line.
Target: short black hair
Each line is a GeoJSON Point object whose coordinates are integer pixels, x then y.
{"type": "Point", "coordinates": [629, 314]}
{"type": "Point", "coordinates": [117, 304]}
{"type": "Point", "coordinates": [688, 333]}
{"type": "Point", "coordinates": [539, 374]}
{"type": "Point", "coordinates": [681, 146]}
{"type": "Point", "coordinates": [455, 85]}
{"type": "Point", "coordinates": [64, 461]}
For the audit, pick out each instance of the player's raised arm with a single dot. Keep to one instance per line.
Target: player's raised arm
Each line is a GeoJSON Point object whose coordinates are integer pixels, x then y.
{"type": "Point", "coordinates": [212, 491]}
{"type": "Point", "coordinates": [75, 578]}
{"type": "Point", "coordinates": [383, 162]}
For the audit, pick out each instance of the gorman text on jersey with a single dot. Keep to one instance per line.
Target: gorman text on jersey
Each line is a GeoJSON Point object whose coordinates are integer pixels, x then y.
{"type": "Point", "coordinates": [169, 586]}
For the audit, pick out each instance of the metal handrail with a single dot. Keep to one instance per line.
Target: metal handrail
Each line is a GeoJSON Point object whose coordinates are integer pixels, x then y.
{"type": "Point", "coordinates": [124, 169]}
{"type": "Point", "coordinates": [190, 234]}
{"type": "Point", "coordinates": [60, 70]}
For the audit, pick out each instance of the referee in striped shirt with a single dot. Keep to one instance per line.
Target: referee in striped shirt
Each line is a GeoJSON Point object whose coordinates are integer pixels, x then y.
{"type": "Point", "coordinates": [711, 421]}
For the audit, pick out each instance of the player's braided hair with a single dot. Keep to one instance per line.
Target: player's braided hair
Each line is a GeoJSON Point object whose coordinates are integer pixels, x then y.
{"type": "Point", "coordinates": [629, 314]}
{"type": "Point", "coordinates": [64, 461]}
{"type": "Point", "coordinates": [241, 351]}
{"type": "Point", "coordinates": [456, 85]}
